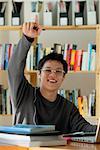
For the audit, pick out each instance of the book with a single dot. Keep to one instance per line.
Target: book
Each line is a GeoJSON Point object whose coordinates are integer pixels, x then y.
{"type": "Point", "coordinates": [80, 105]}
{"type": "Point", "coordinates": [48, 137]}
{"type": "Point", "coordinates": [28, 138]}
{"type": "Point", "coordinates": [78, 60]}
{"type": "Point", "coordinates": [93, 60]}
{"type": "Point", "coordinates": [72, 60]}
{"type": "Point", "coordinates": [85, 105]}
{"type": "Point", "coordinates": [89, 55]}
{"type": "Point", "coordinates": [27, 129]}
{"type": "Point", "coordinates": [57, 48]}
{"type": "Point", "coordinates": [1, 99]}
{"type": "Point", "coordinates": [3, 7]}
{"type": "Point", "coordinates": [84, 66]}
{"type": "Point", "coordinates": [10, 139]}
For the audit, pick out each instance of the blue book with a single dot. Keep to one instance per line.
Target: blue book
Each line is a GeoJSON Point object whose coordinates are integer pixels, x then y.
{"type": "Point", "coordinates": [27, 129]}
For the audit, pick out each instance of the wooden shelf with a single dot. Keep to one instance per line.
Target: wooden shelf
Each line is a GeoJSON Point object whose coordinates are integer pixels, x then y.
{"type": "Point", "coordinates": [10, 28]}
{"type": "Point", "coordinates": [71, 72]}
{"type": "Point", "coordinates": [83, 27]}
{"type": "Point", "coordinates": [30, 72]}
{"type": "Point", "coordinates": [35, 71]}
{"type": "Point", "coordinates": [81, 72]}
{"type": "Point", "coordinates": [5, 115]}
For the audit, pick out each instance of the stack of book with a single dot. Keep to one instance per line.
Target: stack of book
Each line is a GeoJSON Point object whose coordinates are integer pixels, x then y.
{"type": "Point", "coordinates": [30, 135]}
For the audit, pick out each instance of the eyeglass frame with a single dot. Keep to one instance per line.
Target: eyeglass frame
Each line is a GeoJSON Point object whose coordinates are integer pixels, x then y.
{"type": "Point", "coordinates": [58, 72]}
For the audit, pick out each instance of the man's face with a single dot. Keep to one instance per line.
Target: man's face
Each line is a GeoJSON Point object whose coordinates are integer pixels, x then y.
{"type": "Point", "coordinates": [52, 75]}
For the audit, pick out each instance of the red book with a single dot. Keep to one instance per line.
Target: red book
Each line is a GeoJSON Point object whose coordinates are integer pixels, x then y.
{"type": "Point", "coordinates": [69, 49]}
{"type": "Point", "coordinates": [78, 60]}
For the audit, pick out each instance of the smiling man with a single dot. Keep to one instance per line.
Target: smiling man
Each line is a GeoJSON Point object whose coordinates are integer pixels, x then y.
{"type": "Point", "coordinates": [42, 105]}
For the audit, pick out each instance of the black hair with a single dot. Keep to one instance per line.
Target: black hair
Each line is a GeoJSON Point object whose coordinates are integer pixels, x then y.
{"type": "Point", "coordinates": [53, 56]}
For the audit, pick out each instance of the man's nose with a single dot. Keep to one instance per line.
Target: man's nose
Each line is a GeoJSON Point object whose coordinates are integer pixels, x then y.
{"type": "Point", "coordinates": [53, 72]}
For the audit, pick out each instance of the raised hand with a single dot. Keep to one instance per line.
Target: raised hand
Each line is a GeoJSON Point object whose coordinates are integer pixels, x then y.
{"type": "Point", "coordinates": [31, 29]}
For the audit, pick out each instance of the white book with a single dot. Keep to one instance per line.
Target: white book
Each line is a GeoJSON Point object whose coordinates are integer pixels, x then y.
{"type": "Point", "coordinates": [62, 6]}
{"type": "Point", "coordinates": [28, 138]}
{"type": "Point", "coordinates": [90, 5]}
{"type": "Point", "coordinates": [84, 61]}
{"type": "Point", "coordinates": [93, 60]}
{"type": "Point", "coordinates": [32, 57]}
{"type": "Point", "coordinates": [65, 51]}
{"type": "Point", "coordinates": [91, 18]}
{"type": "Point", "coordinates": [63, 21]}
{"type": "Point", "coordinates": [34, 143]}
{"type": "Point", "coordinates": [47, 18]}
{"type": "Point", "coordinates": [15, 21]}
{"type": "Point", "coordinates": [90, 101]}
{"type": "Point", "coordinates": [2, 55]}
{"type": "Point", "coordinates": [1, 21]}
{"type": "Point", "coordinates": [89, 55]}
{"type": "Point", "coordinates": [28, 61]}
{"type": "Point", "coordinates": [8, 104]}
{"type": "Point", "coordinates": [3, 7]}
{"type": "Point", "coordinates": [30, 15]}
{"type": "Point", "coordinates": [79, 21]}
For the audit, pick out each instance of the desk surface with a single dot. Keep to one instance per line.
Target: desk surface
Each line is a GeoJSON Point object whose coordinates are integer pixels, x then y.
{"type": "Point", "coordinates": [69, 146]}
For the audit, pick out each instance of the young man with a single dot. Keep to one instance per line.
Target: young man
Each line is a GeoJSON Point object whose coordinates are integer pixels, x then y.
{"type": "Point", "coordinates": [42, 105]}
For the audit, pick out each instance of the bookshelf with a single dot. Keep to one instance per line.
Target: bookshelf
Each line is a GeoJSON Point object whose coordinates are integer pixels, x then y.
{"type": "Point", "coordinates": [32, 75]}
{"type": "Point", "coordinates": [15, 12]}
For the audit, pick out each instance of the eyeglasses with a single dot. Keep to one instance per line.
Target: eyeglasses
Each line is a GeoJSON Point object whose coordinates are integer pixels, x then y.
{"type": "Point", "coordinates": [58, 72]}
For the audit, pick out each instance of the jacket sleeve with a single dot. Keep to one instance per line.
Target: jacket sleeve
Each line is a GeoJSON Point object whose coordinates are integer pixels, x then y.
{"type": "Point", "coordinates": [16, 78]}
{"type": "Point", "coordinates": [78, 123]}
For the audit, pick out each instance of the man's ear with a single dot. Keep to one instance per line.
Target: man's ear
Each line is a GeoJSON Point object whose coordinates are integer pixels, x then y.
{"type": "Point", "coordinates": [64, 77]}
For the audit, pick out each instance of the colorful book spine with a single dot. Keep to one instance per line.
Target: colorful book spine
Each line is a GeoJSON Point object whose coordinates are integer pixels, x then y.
{"type": "Point", "coordinates": [78, 60]}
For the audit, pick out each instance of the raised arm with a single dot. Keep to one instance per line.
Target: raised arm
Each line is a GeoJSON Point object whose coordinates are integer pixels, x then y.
{"type": "Point", "coordinates": [17, 62]}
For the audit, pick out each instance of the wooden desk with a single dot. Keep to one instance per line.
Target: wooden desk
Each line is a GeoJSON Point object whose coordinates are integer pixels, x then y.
{"type": "Point", "coordinates": [69, 146]}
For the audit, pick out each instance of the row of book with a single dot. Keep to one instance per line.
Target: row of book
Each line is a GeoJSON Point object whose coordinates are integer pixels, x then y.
{"type": "Point", "coordinates": [58, 12]}
{"type": "Point", "coordinates": [77, 59]}
{"type": "Point", "coordinates": [6, 51]}
{"type": "Point", "coordinates": [85, 104]}
{"type": "Point", "coordinates": [76, 12]}
{"type": "Point", "coordinates": [5, 101]}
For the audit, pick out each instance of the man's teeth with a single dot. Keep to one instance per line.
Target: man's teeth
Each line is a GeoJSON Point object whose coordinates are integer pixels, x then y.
{"type": "Point", "coordinates": [53, 81]}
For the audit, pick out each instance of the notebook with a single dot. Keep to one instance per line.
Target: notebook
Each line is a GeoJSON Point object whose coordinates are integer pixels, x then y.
{"type": "Point", "coordinates": [88, 137]}
{"type": "Point", "coordinates": [28, 129]}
